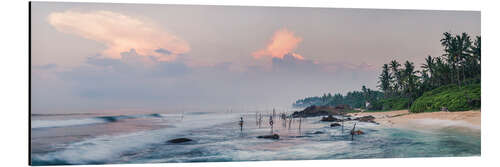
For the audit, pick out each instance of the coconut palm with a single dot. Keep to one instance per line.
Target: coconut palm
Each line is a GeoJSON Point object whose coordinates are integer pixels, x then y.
{"type": "Point", "coordinates": [396, 79]}
{"type": "Point", "coordinates": [452, 55]}
{"type": "Point", "coordinates": [410, 81]}
{"type": "Point", "coordinates": [385, 79]}
{"type": "Point", "coordinates": [429, 66]}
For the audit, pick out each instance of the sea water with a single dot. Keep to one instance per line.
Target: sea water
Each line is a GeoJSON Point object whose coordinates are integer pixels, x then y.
{"type": "Point", "coordinates": [217, 137]}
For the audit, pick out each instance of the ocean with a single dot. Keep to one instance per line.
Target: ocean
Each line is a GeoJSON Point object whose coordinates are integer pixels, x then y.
{"type": "Point", "coordinates": [135, 137]}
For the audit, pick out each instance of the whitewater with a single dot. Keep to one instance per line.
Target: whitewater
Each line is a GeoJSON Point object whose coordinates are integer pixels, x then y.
{"type": "Point", "coordinates": [143, 138]}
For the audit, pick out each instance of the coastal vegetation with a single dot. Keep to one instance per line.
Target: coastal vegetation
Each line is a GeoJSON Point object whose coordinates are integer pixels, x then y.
{"type": "Point", "coordinates": [454, 98]}
{"type": "Point", "coordinates": [451, 81]}
{"type": "Point", "coordinates": [355, 99]}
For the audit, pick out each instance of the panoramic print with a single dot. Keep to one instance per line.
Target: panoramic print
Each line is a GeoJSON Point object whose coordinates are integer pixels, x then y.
{"type": "Point", "coordinates": [154, 83]}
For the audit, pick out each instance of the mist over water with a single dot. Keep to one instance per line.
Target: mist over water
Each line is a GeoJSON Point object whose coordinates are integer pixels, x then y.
{"type": "Point", "coordinates": [217, 137]}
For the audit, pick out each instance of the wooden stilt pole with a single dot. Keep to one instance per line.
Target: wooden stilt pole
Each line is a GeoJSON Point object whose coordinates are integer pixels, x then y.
{"type": "Point", "coordinates": [284, 121]}
{"type": "Point", "coordinates": [260, 119]}
{"type": "Point", "coordinates": [352, 131]}
{"type": "Point", "coordinates": [342, 124]}
{"type": "Point", "coordinates": [300, 124]}
{"type": "Point", "coordinates": [256, 119]}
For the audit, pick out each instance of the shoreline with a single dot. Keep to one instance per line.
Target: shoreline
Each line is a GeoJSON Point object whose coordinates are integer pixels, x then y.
{"type": "Point", "coordinates": [467, 121]}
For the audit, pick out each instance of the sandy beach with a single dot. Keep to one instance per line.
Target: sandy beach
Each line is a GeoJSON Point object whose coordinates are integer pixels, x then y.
{"type": "Point", "coordinates": [464, 120]}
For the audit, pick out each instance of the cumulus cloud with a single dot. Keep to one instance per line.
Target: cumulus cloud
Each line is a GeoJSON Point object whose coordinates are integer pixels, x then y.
{"type": "Point", "coordinates": [282, 43]}
{"type": "Point", "coordinates": [120, 33]}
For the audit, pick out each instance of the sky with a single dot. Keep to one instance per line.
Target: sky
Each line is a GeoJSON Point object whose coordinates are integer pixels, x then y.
{"type": "Point", "coordinates": [97, 57]}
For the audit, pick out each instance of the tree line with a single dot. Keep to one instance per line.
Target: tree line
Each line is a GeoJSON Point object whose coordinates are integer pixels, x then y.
{"type": "Point", "coordinates": [460, 64]}
{"type": "Point", "coordinates": [355, 99]}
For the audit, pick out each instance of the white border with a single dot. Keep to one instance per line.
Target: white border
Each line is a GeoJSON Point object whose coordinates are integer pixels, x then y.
{"type": "Point", "coordinates": [14, 79]}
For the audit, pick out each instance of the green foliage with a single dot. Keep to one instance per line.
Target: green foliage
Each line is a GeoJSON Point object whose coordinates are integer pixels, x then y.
{"type": "Point", "coordinates": [385, 80]}
{"type": "Point", "coordinates": [460, 64]}
{"type": "Point", "coordinates": [394, 103]}
{"type": "Point", "coordinates": [450, 96]}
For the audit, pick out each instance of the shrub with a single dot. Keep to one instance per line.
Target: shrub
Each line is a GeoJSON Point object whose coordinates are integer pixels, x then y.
{"type": "Point", "coordinates": [397, 103]}
{"type": "Point", "coordinates": [449, 96]}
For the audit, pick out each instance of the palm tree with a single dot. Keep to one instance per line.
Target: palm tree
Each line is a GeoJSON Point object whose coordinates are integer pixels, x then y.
{"type": "Point", "coordinates": [410, 81]}
{"type": "Point", "coordinates": [458, 55]}
{"type": "Point", "coordinates": [425, 84]}
{"type": "Point", "coordinates": [365, 94]}
{"type": "Point", "coordinates": [475, 57]}
{"type": "Point", "coordinates": [451, 54]}
{"type": "Point", "coordinates": [429, 66]}
{"type": "Point", "coordinates": [396, 76]}
{"type": "Point", "coordinates": [385, 79]}
{"type": "Point", "coordinates": [464, 44]}
{"type": "Point", "coordinates": [476, 52]}
{"type": "Point", "coordinates": [442, 72]}
{"type": "Point", "coordinates": [476, 49]}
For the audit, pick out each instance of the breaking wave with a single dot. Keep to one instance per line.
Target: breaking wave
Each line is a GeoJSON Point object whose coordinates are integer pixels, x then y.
{"type": "Point", "coordinates": [37, 124]}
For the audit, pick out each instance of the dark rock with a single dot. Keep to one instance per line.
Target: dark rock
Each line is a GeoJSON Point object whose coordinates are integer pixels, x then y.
{"type": "Point", "coordinates": [314, 111]}
{"type": "Point", "coordinates": [318, 132]}
{"type": "Point", "coordinates": [330, 118]}
{"type": "Point", "coordinates": [334, 125]}
{"type": "Point", "coordinates": [367, 118]}
{"type": "Point", "coordinates": [179, 140]}
{"type": "Point", "coordinates": [273, 136]}
{"type": "Point", "coordinates": [343, 107]}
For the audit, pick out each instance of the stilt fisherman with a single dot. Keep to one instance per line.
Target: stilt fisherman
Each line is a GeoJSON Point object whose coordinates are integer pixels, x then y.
{"type": "Point", "coordinates": [241, 123]}
{"type": "Point", "coordinates": [271, 122]}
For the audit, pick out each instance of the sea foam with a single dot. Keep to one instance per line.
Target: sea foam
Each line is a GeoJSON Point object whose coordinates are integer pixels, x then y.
{"type": "Point", "coordinates": [37, 124]}
{"type": "Point", "coordinates": [104, 148]}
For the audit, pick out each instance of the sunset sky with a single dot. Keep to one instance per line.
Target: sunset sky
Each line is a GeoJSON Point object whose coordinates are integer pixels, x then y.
{"type": "Point", "coordinates": [98, 57]}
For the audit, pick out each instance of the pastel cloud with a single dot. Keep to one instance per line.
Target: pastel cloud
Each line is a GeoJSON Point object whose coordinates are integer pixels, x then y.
{"type": "Point", "coordinates": [120, 33]}
{"type": "Point", "coordinates": [283, 42]}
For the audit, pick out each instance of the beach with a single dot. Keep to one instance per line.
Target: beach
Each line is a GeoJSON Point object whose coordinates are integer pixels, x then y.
{"type": "Point", "coordinates": [460, 120]}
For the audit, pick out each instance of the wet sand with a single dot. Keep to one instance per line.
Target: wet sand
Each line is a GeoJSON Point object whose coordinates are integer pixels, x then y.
{"type": "Point", "coordinates": [462, 120]}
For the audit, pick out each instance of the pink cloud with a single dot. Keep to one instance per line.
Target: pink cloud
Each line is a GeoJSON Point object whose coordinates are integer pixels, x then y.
{"type": "Point", "coordinates": [282, 43]}
{"type": "Point", "coordinates": [120, 33]}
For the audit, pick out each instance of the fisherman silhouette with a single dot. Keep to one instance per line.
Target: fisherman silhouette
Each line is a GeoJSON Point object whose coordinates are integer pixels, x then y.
{"type": "Point", "coordinates": [241, 123]}
{"type": "Point", "coordinates": [271, 122]}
